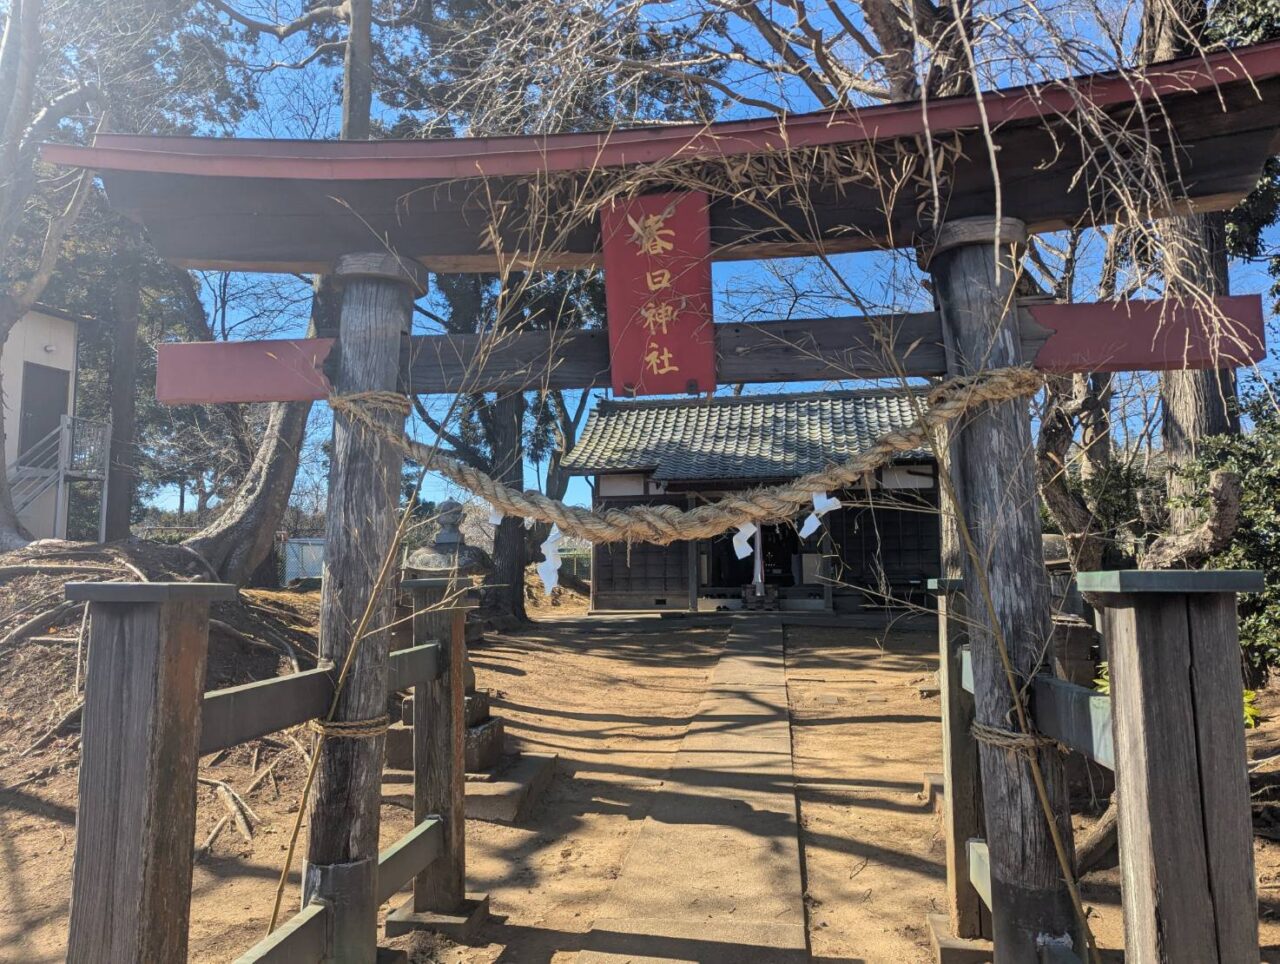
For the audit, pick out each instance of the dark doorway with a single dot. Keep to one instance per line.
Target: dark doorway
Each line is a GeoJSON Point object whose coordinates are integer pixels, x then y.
{"type": "Point", "coordinates": [44, 402]}
{"type": "Point", "coordinates": [781, 543]}
{"type": "Point", "coordinates": [781, 548]}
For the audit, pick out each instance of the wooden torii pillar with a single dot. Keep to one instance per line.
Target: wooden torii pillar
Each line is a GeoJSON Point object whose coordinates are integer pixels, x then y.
{"type": "Point", "coordinates": [974, 264]}
{"type": "Point", "coordinates": [378, 291]}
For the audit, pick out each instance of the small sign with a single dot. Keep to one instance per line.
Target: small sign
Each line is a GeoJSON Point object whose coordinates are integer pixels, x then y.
{"type": "Point", "coordinates": [657, 280]}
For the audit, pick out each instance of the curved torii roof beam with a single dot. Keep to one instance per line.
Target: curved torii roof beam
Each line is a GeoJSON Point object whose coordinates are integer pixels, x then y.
{"type": "Point", "coordinates": [272, 205]}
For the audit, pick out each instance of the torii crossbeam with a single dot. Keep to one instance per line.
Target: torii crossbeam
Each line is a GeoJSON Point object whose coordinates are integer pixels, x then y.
{"type": "Point", "coordinates": [1056, 338]}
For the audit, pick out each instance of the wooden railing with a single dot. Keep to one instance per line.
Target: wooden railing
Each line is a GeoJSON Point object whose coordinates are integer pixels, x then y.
{"type": "Point", "coordinates": [1172, 730]}
{"type": "Point", "coordinates": [145, 725]}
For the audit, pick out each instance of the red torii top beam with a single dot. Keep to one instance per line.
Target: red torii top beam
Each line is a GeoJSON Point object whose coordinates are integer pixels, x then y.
{"type": "Point", "coordinates": [297, 205]}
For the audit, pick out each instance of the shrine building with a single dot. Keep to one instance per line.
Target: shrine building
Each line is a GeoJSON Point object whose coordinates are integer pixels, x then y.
{"type": "Point", "coordinates": [881, 546]}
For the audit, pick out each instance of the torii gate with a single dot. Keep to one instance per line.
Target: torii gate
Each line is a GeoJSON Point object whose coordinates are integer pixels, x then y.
{"type": "Point", "coordinates": [378, 215]}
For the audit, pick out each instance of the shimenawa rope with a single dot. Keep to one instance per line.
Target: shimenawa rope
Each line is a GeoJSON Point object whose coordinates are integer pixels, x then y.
{"type": "Point", "coordinates": [662, 524]}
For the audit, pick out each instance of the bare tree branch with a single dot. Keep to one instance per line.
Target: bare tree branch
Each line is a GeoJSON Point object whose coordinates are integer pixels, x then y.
{"type": "Point", "coordinates": [332, 46]}
{"type": "Point", "coordinates": [13, 305]}
{"type": "Point", "coordinates": [765, 26]}
{"type": "Point", "coordinates": [314, 16]}
{"type": "Point", "coordinates": [462, 449]}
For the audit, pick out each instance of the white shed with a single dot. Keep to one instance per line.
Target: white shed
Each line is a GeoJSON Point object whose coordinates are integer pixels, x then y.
{"type": "Point", "coordinates": [46, 446]}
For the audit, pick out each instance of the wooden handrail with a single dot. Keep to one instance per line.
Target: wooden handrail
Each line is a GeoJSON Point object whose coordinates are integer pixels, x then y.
{"type": "Point", "coordinates": [1075, 716]}
{"type": "Point", "coordinates": [237, 714]}
{"type": "Point", "coordinates": [409, 856]}
{"type": "Point", "coordinates": [302, 939]}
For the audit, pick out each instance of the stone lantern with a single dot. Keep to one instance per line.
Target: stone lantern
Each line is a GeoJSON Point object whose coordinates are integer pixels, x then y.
{"type": "Point", "coordinates": [449, 557]}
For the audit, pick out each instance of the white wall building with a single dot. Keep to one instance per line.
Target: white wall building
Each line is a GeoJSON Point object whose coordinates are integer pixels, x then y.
{"type": "Point", "coordinates": [46, 447]}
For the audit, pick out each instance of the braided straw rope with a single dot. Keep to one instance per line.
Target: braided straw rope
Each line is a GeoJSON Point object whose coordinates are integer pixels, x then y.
{"type": "Point", "coordinates": [662, 524]}
{"type": "Point", "coordinates": [351, 729]}
{"type": "Point", "coordinates": [1009, 739]}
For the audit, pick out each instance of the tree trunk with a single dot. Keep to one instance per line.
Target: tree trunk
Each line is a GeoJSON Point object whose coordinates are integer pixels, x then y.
{"type": "Point", "coordinates": [506, 584]}
{"type": "Point", "coordinates": [124, 392]}
{"type": "Point", "coordinates": [1194, 404]}
{"type": "Point", "coordinates": [999, 511]}
{"type": "Point", "coordinates": [237, 542]}
{"type": "Point", "coordinates": [240, 538]}
{"type": "Point", "coordinates": [1095, 425]}
{"type": "Point", "coordinates": [357, 88]}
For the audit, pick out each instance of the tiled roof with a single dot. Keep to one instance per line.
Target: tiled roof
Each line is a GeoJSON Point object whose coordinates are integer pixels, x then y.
{"type": "Point", "coordinates": [742, 437]}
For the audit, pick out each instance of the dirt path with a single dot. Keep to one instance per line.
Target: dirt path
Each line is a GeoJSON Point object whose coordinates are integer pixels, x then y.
{"type": "Point", "coordinates": [862, 738]}
{"type": "Point", "coordinates": [614, 703]}
{"type": "Point", "coordinates": [614, 699]}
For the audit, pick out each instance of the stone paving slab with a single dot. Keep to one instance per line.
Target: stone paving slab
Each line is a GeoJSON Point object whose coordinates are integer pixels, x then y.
{"type": "Point", "coordinates": [714, 873]}
{"type": "Point", "coordinates": [683, 942]}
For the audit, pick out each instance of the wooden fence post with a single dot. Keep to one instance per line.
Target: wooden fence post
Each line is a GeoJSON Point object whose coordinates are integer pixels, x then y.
{"type": "Point", "coordinates": [364, 491]}
{"type": "Point", "coordinates": [1185, 823]}
{"type": "Point", "coordinates": [440, 901]}
{"type": "Point", "coordinates": [962, 794]}
{"type": "Point", "coordinates": [974, 266]}
{"type": "Point", "coordinates": [131, 879]}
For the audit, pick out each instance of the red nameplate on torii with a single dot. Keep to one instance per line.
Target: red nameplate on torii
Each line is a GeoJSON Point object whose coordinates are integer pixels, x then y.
{"type": "Point", "coordinates": [657, 282]}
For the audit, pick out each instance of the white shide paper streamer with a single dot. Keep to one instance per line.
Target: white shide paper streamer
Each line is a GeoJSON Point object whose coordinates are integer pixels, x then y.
{"type": "Point", "coordinates": [549, 568]}
{"type": "Point", "coordinates": [822, 504]}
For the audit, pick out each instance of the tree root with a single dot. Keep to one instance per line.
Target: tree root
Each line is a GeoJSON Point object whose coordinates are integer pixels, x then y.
{"type": "Point", "coordinates": [71, 716]}
{"type": "Point", "coordinates": [261, 778]}
{"type": "Point", "coordinates": [286, 651]}
{"type": "Point", "coordinates": [38, 622]}
{"type": "Point", "coordinates": [203, 850]}
{"type": "Point", "coordinates": [1099, 846]}
{"type": "Point", "coordinates": [243, 815]}
{"type": "Point", "coordinates": [302, 750]}
{"type": "Point", "coordinates": [48, 569]}
{"type": "Point", "coordinates": [1186, 549]}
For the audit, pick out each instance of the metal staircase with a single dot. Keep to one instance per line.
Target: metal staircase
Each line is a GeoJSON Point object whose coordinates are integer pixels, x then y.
{"type": "Point", "coordinates": [76, 451]}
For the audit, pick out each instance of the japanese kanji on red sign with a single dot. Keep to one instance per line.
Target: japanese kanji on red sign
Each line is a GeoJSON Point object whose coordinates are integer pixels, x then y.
{"type": "Point", "coordinates": [657, 278]}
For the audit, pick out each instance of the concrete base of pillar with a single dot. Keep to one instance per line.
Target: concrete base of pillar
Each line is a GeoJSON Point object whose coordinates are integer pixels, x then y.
{"type": "Point", "coordinates": [460, 926]}
{"type": "Point", "coordinates": [949, 949]}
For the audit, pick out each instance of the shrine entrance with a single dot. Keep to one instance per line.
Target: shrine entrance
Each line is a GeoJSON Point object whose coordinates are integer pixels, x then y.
{"type": "Point", "coordinates": [975, 179]}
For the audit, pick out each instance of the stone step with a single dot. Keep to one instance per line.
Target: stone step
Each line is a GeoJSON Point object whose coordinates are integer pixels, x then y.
{"type": "Point", "coordinates": [399, 747]}
{"type": "Point", "coordinates": [475, 708]}
{"type": "Point", "coordinates": [933, 790]}
{"type": "Point", "coordinates": [930, 688]}
{"type": "Point", "coordinates": [484, 745]}
{"type": "Point", "coordinates": [510, 795]}
{"type": "Point", "coordinates": [657, 941]}
{"type": "Point", "coordinates": [507, 796]}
